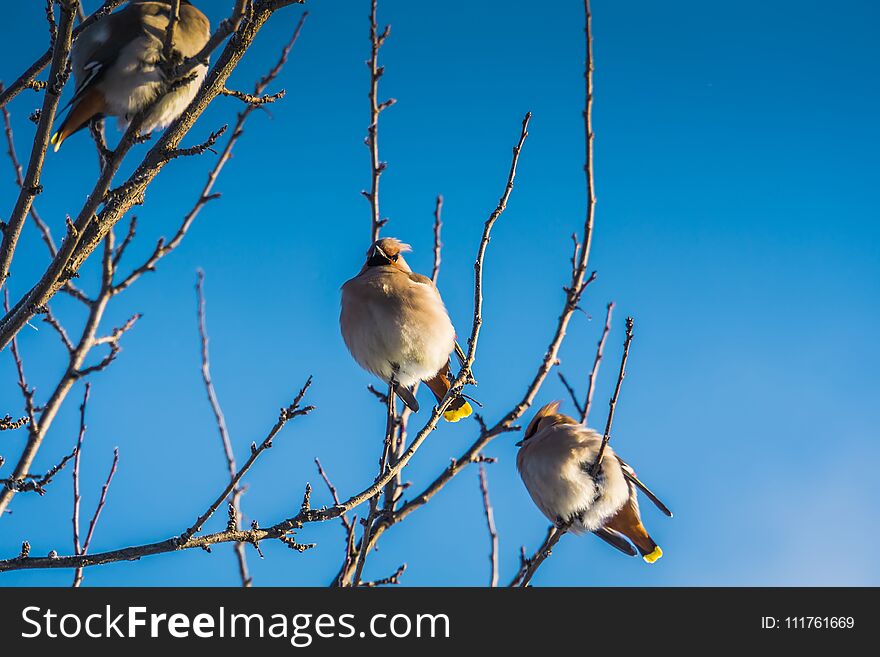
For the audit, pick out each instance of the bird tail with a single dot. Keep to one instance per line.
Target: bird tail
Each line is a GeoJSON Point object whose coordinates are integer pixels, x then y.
{"type": "Point", "coordinates": [89, 106]}
{"type": "Point", "coordinates": [439, 385]}
{"type": "Point", "coordinates": [628, 523]}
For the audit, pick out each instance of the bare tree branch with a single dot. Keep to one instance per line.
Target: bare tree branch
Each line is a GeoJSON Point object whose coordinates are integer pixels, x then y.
{"type": "Point", "coordinates": [33, 483]}
{"type": "Point", "coordinates": [207, 195]}
{"type": "Point", "coordinates": [490, 524]}
{"type": "Point", "coordinates": [109, 288]}
{"type": "Point", "coordinates": [84, 547]}
{"type": "Point", "coordinates": [376, 108]}
{"type": "Point", "coordinates": [252, 99]}
{"type": "Point", "coordinates": [77, 546]}
{"type": "Point", "coordinates": [8, 424]}
{"type": "Point", "coordinates": [75, 369]}
{"type": "Point", "coordinates": [438, 245]}
{"type": "Point", "coordinates": [584, 410]}
{"type": "Point", "coordinates": [612, 404]}
{"type": "Point", "coordinates": [168, 53]}
{"type": "Point", "coordinates": [220, 419]}
{"type": "Point", "coordinates": [26, 391]}
{"type": "Point", "coordinates": [188, 540]}
{"type": "Point", "coordinates": [390, 432]}
{"type": "Point", "coordinates": [94, 521]}
{"type": "Point", "coordinates": [393, 579]}
{"type": "Point", "coordinates": [591, 387]}
{"type": "Point", "coordinates": [571, 393]}
{"type": "Point", "coordinates": [30, 186]}
{"type": "Point", "coordinates": [285, 415]}
{"type": "Point", "coordinates": [91, 228]}
{"type": "Point", "coordinates": [52, 321]}
{"type": "Point", "coordinates": [530, 566]}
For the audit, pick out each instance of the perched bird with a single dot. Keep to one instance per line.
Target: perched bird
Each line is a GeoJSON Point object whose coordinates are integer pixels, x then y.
{"type": "Point", "coordinates": [555, 458]}
{"type": "Point", "coordinates": [117, 66]}
{"type": "Point", "coordinates": [395, 325]}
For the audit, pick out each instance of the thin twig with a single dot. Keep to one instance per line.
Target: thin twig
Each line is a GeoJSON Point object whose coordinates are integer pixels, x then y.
{"type": "Point", "coordinates": [390, 431]}
{"type": "Point", "coordinates": [252, 99]}
{"type": "Point", "coordinates": [385, 581]}
{"type": "Point", "coordinates": [376, 108]}
{"type": "Point", "coordinates": [333, 492]}
{"type": "Point", "coordinates": [77, 546]}
{"type": "Point", "coordinates": [571, 393]}
{"type": "Point", "coordinates": [490, 524]}
{"type": "Point", "coordinates": [8, 424]}
{"type": "Point", "coordinates": [438, 245]}
{"type": "Point", "coordinates": [591, 386]}
{"type": "Point", "coordinates": [168, 42]}
{"type": "Point", "coordinates": [284, 417]}
{"type": "Point", "coordinates": [220, 419]}
{"type": "Point", "coordinates": [26, 391]}
{"type": "Point", "coordinates": [530, 566]}
{"type": "Point", "coordinates": [27, 483]}
{"type": "Point", "coordinates": [52, 321]}
{"type": "Point", "coordinates": [94, 521]}
{"type": "Point", "coordinates": [612, 404]}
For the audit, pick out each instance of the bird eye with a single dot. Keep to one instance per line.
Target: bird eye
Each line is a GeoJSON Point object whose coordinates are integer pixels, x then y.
{"type": "Point", "coordinates": [394, 257]}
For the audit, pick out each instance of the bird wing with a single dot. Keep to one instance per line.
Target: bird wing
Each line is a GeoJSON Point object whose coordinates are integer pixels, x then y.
{"type": "Point", "coordinates": [407, 397]}
{"type": "Point", "coordinates": [630, 475]}
{"type": "Point", "coordinates": [459, 353]}
{"type": "Point", "coordinates": [97, 49]}
{"type": "Point", "coordinates": [421, 279]}
{"type": "Point", "coordinates": [617, 540]}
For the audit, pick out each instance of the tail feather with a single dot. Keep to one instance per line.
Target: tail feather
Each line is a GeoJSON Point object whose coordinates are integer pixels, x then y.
{"type": "Point", "coordinates": [627, 522]}
{"type": "Point", "coordinates": [89, 106]}
{"type": "Point", "coordinates": [439, 385]}
{"type": "Point", "coordinates": [616, 540]}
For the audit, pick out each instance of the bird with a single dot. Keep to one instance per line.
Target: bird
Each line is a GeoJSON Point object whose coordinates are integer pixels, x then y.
{"type": "Point", "coordinates": [395, 325]}
{"type": "Point", "coordinates": [555, 459]}
{"type": "Point", "coordinates": [117, 65]}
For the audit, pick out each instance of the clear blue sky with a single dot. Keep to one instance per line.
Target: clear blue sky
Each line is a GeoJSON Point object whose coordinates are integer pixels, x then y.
{"type": "Point", "coordinates": [736, 174]}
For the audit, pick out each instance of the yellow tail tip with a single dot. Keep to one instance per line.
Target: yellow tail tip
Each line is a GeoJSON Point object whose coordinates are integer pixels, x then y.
{"type": "Point", "coordinates": [56, 141]}
{"type": "Point", "coordinates": [457, 414]}
{"type": "Point", "coordinates": [653, 556]}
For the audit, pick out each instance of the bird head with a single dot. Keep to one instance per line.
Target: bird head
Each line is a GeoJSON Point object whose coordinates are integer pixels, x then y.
{"type": "Point", "coordinates": [387, 252]}
{"type": "Point", "coordinates": [547, 416]}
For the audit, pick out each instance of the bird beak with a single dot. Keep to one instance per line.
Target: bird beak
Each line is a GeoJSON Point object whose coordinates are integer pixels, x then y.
{"type": "Point", "coordinates": [519, 444]}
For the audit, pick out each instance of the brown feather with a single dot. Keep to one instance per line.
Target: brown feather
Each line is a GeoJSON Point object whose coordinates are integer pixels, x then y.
{"type": "Point", "coordinates": [627, 522]}
{"type": "Point", "coordinates": [89, 106]}
{"type": "Point", "coordinates": [439, 385]}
